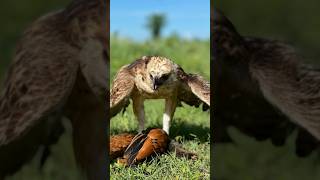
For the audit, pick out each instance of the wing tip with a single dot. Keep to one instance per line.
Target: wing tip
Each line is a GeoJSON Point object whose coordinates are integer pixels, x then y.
{"type": "Point", "coordinates": [132, 150]}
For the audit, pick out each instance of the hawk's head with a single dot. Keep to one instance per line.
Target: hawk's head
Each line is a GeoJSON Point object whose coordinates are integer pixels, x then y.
{"type": "Point", "coordinates": [161, 71]}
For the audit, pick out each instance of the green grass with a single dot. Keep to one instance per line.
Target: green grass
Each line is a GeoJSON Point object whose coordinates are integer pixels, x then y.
{"type": "Point", "coordinates": [168, 166]}
{"type": "Point", "coordinates": [248, 159]}
{"type": "Point", "coordinates": [60, 164]}
{"type": "Point", "coordinates": [190, 125]}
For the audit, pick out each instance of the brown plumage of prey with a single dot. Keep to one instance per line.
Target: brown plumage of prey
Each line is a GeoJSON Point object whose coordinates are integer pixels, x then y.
{"type": "Point", "coordinates": [155, 77]}
{"type": "Point", "coordinates": [59, 70]}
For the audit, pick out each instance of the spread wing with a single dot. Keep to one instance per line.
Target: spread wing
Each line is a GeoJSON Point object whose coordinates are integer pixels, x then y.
{"type": "Point", "coordinates": [94, 65]}
{"type": "Point", "coordinates": [293, 89]}
{"type": "Point", "coordinates": [123, 84]}
{"type": "Point", "coordinates": [281, 85]}
{"type": "Point", "coordinates": [194, 90]}
{"type": "Point", "coordinates": [37, 85]}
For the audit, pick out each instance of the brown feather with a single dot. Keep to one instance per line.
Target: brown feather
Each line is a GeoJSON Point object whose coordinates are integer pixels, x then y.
{"type": "Point", "coordinates": [37, 84]}
{"type": "Point", "coordinates": [156, 142]}
{"type": "Point", "coordinates": [194, 89]}
{"type": "Point", "coordinates": [123, 85]}
{"type": "Point", "coordinates": [119, 143]}
{"type": "Point", "coordinates": [144, 145]}
{"type": "Point", "coordinates": [265, 80]}
{"type": "Point", "coordinates": [48, 77]}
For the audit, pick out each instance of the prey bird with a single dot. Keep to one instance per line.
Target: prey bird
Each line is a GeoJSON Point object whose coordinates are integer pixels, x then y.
{"type": "Point", "coordinates": [59, 70]}
{"type": "Point", "coordinates": [155, 77]}
{"type": "Point", "coordinates": [131, 149]}
{"type": "Point", "coordinates": [263, 88]}
{"type": "Point", "coordinates": [144, 145]}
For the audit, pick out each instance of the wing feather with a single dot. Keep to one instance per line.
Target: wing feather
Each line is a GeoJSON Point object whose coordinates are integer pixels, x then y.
{"type": "Point", "coordinates": [132, 150]}
{"type": "Point", "coordinates": [293, 89]}
{"type": "Point", "coordinates": [123, 84]}
{"type": "Point", "coordinates": [194, 89]}
{"type": "Point", "coordinates": [119, 143]}
{"type": "Point", "coordinates": [36, 85]}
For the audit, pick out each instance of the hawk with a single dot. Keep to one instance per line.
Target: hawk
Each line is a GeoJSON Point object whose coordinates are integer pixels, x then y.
{"type": "Point", "coordinates": [59, 70]}
{"type": "Point", "coordinates": [155, 77]}
{"type": "Point", "coordinates": [262, 88]}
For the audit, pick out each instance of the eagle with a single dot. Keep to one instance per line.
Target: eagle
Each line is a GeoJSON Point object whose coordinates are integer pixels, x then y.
{"type": "Point", "coordinates": [156, 77]}
{"type": "Point", "coordinates": [59, 70]}
{"type": "Point", "coordinates": [262, 88]}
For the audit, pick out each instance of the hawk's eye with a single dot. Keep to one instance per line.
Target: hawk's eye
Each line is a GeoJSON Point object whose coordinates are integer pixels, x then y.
{"type": "Point", "coordinates": [165, 77]}
{"type": "Point", "coordinates": [151, 77]}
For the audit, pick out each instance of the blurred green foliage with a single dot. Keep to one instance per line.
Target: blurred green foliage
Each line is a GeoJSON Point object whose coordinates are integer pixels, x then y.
{"type": "Point", "coordinates": [155, 24]}
{"type": "Point", "coordinates": [295, 22]}
{"type": "Point", "coordinates": [60, 164]}
{"type": "Point", "coordinates": [193, 55]}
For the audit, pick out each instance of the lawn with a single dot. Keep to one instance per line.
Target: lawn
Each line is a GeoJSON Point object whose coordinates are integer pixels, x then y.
{"type": "Point", "coordinates": [190, 125]}
{"type": "Point", "coordinates": [260, 160]}
{"type": "Point", "coordinates": [59, 165]}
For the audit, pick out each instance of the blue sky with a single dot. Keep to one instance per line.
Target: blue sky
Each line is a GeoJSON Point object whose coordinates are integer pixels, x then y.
{"type": "Point", "coordinates": [188, 18]}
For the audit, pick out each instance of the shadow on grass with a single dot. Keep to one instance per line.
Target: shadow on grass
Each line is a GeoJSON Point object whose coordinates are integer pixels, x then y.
{"type": "Point", "coordinates": [179, 127]}
{"type": "Point", "coordinates": [186, 130]}
{"type": "Point", "coordinates": [119, 131]}
{"type": "Point", "coordinates": [189, 131]}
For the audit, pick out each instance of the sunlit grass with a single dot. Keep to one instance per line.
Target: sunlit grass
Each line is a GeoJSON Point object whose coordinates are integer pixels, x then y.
{"type": "Point", "coordinates": [251, 159]}
{"type": "Point", "coordinates": [168, 166]}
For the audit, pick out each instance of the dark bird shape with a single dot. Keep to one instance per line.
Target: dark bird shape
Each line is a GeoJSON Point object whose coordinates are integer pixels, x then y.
{"type": "Point", "coordinates": [59, 70]}
{"type": "Point", "coordinates": [156, 77]}
{"type": "Point", "coordinates": [144, 145]}
{"type": "Point", "coordinates": [131, 149]}
{"type": "Point", "coordinates": [262, 88]}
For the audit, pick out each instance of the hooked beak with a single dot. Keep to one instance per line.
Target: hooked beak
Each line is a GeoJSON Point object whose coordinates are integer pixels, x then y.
{"type": "Point", "coordinates": [154, 84]}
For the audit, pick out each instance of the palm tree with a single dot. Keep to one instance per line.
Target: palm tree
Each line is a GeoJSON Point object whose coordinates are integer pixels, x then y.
{"type": "Point", "coordinates": [155, 24]}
